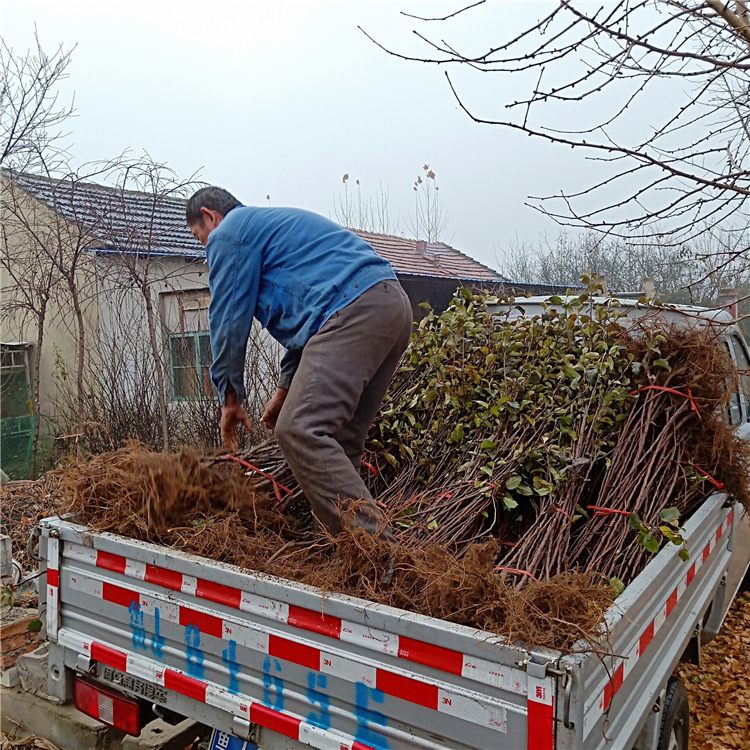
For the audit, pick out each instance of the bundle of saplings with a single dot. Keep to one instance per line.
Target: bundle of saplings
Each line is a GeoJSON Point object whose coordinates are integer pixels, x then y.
{"type": "Point", "coordinates": [530, 467]}
{"type": "Point", "coordinates": [579, 439]}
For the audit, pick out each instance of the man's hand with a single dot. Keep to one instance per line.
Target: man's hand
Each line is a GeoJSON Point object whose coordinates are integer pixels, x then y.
{"type": "Point", "coordinates": [232, 414]}
{"type": "Point", "coordinates": [273, 408]}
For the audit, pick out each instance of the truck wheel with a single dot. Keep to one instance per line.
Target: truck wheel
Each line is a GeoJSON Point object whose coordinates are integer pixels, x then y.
{"type": "Point", "coordinates": [675, 724]}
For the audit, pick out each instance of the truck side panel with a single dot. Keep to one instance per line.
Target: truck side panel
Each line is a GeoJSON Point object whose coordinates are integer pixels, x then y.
{"type": "Point", "coordinates": [337, 672]}
{"type": "Point", "coordinates": [650, 626]}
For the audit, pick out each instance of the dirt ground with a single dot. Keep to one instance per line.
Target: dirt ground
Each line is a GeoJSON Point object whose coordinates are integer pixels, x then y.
{"type": "Point", "coordinates": [720, 689]}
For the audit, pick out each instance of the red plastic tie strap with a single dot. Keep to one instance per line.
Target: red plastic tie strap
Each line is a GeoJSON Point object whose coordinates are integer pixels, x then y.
{"type": "Point", "coordinates": [369, 466]}
{"type": "Point", "coordinates": [688, 395]}
{"type": "Point", "coordinates": [705, 474]}
{"type": "Point", "coordinates": [599, 511]}
{"type": "Point", "coordinates": [276, 485]}
{"type": "Point", "coordinates": [567, 515]}
{"type": "Point", "coordinates": [516, 570]}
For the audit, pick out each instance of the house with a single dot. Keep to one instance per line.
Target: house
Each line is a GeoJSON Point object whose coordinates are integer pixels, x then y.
{"type": "Point", "coordinates": [142, 289]}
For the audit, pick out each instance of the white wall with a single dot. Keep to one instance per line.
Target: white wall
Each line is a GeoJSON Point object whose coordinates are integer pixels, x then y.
{"type": "Point", "coordinates": [123, 329]}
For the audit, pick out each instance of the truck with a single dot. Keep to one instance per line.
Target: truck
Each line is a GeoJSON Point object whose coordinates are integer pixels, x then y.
{"type": "Point", "coordinates": [137, 630]}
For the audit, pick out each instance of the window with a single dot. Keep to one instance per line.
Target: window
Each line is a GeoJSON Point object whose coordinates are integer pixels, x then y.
{"type": "Point", "coordinates": [735, 408]}
{"type": "Point", "coordinates": [190, 358]}
{"type": "Point", "coordinates": [185, 315]}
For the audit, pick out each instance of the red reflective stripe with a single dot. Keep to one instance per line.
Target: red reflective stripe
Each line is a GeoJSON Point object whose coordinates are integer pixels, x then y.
{"type": "Point", "coordinates": [672, 602]}
{"type": "Point", "coordinates": [646, 638]}
{"type": "Point", "coordinates": [706, 552]}
{"type": "Point", "coordinates": [315, 622]}
{"type": "Point", "coordinates": [185, 685]}
{"type": "Point", "coordinates": [618, 677]}
{"type": "Point", "coordinates": [119, 595]}
{"type": "Point", "coordinates": [359, 746]}
{"type": "Point", "coordinates": [205, 623]}
{"type": "Point", "coordinates": [275, 720]}
{"type": "Point", "coordinates": [53, 577]}
{"type": "Point", "coordinates": [613, 685]}
{"type": "Point", "coordinates": [407, 689]}
{"type": "Point", "coordinates": [115, 563]}
{"type": "Point", "coordinates": [691, 574]}
{"type": "Point", "coordinates": [431, 656]}
{"type": "Point", "coordinates": [718, 533]}
{"type": "Point", "coordinates": [540, 723]}
{"type": "Point", "coordinates": [163, 577]}
{"type": "Point", "coordinates": [730, 516]}
{"type": "Point", "coordinates": [305, 656]}
{"type": "Point", "coordinates": [218, 593]}
{"type": "Point", "coordinates": [109, 656]}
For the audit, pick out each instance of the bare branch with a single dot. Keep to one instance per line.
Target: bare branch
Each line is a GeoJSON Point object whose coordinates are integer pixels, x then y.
{"type": "Point", "coordinates": [673, 172]}
{"type": "Point", "coordinates": [737, 23]}
{"type": "Point", "coordinates": [29, 110]}
{"type": "Point", "coordinates": [450, 15]}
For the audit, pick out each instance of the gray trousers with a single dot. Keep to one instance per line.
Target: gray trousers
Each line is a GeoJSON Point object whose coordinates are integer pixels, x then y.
{"type": "Point", "coordinates": [336, 392]}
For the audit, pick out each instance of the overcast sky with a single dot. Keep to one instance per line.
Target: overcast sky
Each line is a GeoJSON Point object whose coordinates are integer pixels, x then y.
{"type": "Point", "coordinates": [283, 98]}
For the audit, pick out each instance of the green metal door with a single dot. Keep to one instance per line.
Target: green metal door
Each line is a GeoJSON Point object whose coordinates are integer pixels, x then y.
{"type": "Point", "coordinates": [16, 411]}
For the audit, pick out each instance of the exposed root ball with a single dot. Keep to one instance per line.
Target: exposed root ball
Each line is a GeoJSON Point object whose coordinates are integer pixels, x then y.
{"type": "Point", "coordinates": [210, 508]}
{"type": "Point", "coordinates": [146, 495]}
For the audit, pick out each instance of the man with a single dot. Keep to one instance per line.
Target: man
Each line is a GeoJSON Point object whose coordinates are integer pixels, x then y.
{"type": "Point", "coordinates": [345, 321]}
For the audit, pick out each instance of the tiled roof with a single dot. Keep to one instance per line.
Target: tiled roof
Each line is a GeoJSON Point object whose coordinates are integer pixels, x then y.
{"type": "Point", "coordinates": [411, 258]}
{"type": "Point", "coordinates": [122, 219]}
{"type": "Point", "coordinates": [118, 218]}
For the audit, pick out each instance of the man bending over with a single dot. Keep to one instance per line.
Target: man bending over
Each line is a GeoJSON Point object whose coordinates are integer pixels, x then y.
{"type": "Point", "coordinates": [336, 306]}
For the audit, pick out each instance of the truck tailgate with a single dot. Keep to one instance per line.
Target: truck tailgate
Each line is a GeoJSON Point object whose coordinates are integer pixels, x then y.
{"type": "Point", "coordinates": [238, 651]}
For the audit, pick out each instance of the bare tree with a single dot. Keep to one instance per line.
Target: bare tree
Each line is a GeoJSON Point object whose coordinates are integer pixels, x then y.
{"type": "Point", "coordinates": [137, 237]}
{"type": "Point", "coordinates": [592, 72]}
{"type": "Point", "coordinates": [59, 238]}
{"type": "Point", "coordinates": [368, 214]}
{"type": "Point", "coordinates": [429, 220]}
{"type": "Point", "coordinates": [690, 273]}
{"type": "Point", "coordinates": [30, 111]}
{"type": "Point", "coordinates": [30, 137]}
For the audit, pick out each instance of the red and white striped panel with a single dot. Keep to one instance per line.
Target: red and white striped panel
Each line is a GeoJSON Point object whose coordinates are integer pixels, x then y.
{"type": "Point", "coordinates": [53, 586]}
{"type": "Point", "coordinates": [468, 705]}
{"type": "Point", "coordinates": [479, 670]}
{"type": "Point", "coordinates": [402, 684]}
{"type": "Point", "coordinates": [209, 693]}
{"type": "Point", "coordinates": [596, 707]}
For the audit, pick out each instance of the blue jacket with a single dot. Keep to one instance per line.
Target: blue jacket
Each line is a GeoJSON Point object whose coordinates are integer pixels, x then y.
{"type": "Point", "coordinates": [290, 269]}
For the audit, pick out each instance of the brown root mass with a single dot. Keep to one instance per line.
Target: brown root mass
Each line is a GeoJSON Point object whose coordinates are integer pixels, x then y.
{"type": "Point", "coordinates": [209, 508]}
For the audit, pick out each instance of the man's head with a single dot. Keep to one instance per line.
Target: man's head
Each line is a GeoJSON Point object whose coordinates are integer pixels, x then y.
{"type": "Point", "coordinates": [205, 210]}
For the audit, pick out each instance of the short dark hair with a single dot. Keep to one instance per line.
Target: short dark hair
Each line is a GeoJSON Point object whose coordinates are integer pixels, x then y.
{"type": "Point", "coordinates": [215, 198]}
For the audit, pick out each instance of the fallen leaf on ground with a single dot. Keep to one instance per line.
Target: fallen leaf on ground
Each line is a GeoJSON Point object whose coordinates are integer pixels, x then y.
{"type": "Point", "coordinates": [719, 690]}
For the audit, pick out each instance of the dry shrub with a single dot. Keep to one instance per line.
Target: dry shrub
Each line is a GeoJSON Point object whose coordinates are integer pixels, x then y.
{"type": "Point", "coordinates": [22, 505]}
